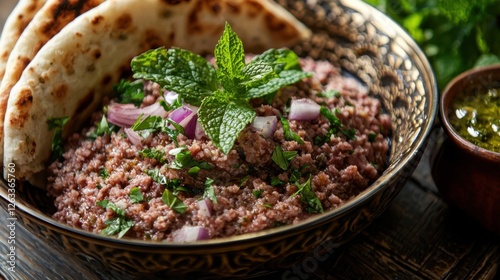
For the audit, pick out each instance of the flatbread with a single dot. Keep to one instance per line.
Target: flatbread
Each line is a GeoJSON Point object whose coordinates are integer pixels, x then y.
{"type": "Point", "coordinates": [70, 75]}
{"type": "Point", "coordinates": [19, 18]}
{"type": "Point", "coordinates": [49, 20]}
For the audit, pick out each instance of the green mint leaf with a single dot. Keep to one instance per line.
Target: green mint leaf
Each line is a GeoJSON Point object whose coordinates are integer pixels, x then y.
{"type": "Point", "coordinates": [257, 74]}
{"type": "Point", "coordinates": [282, 59]}
{"type": "Point", "coordinates": [159, 155]}
{"type": "Point", "coordinates": [173, 202]}
{"type": "Point", "coordinates": [309, 198]}
{"type": "Point", "coordinates": [103, 128]}
{"type": "Point", "coordinates": [130, 92]}
{"type": "Point", "coordinates": [290, 135]}
{"type": "Point", "coordinates": [230, 59]}
{"type": "Point", "coordinates": [135, 195]}
{"type": "Point", "coordinates": [283, 158]}
{"type": "Point", "coordinates": [286, 78]}
{"type": "Point", "coordinates": [223, 120]}
{"type": "Point", "coordinates": [57, 124]}
{"type": "Point", "coordinates": [209, 191]}
{"type": "Point", "coordinates": [181, 71]}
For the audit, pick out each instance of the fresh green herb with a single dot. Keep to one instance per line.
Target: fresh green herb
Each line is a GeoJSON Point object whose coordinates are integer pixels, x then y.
{"type": "Point", "coordinates": [174, 184]}
{"type": "Point", "coordinates": [267, 205]}
{"type": "Point", "coordinates": [275, 181]}
{"type": "Point", "coordinates": [209, 191]}
{"type": "Point", "coordinates": [136, 195]}
{"type": "Point", "coordinates": [130, 92]}
{"type": "Point", "coordinates": [184, 159]}
{"type": "Point", "coordinates": [120, 224]}
{"type": "Point", "coordinates": [156, 154]}
{"type": "Point", "coordinates": [152, 124]}
{"type": "Point", "coordinates": [57, 124]}
{"type": "Point", "coordinates": [244, 180]}
{"type": "Point", "coordinates": [372, 137]}
{"type": "Point", "coordinates": [329, 93]}
{"type": "Point", "coordinates": [103, 173]}
{"type": "Point", "coordinates": [283, 158]}
{"type": "Point", "coordinates": [290, 135]}
{"type": "Point", "coordinates": [223, 94]}
{"type": "Point", "coordinates": [103, 128]}
{"type": "Point", "coordinates": [336, 126]}
{"type": "Point", "coordinates": [295, 176]}
{"type": "Point", "coordinates": [309, 198]}
{"type": "Point", "coordinates": [456, 35]}
{"type": "Point", "coordinates": [193, 171]}
{"type": "Point", "coordinates": [173, 202]}
{"type": "Point", "coordinates": [98, 186]}
{"type": "Point", "coordinates": [257, 193]}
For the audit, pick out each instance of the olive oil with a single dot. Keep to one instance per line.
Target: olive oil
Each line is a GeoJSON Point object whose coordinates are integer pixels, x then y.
{"type": "Point", "coordinates": [476, 117]}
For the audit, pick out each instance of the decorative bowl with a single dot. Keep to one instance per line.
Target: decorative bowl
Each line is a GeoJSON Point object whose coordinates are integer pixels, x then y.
{"type": "Point", "coordinates": [467, 175]}
{"type": "Point", "coordinates": [365, 44]}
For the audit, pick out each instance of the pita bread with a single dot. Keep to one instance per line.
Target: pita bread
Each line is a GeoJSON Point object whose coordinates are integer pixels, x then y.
{"type": "Point", "coordinates": [71, 73]}
{"type": "Point", "coordinates": [51, 18]}
{"type": "Point", "coordinates": [17, 21]}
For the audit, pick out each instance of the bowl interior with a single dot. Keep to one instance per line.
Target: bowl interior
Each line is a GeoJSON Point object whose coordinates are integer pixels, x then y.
{"type": "Point", "coordinates": [364, 43]}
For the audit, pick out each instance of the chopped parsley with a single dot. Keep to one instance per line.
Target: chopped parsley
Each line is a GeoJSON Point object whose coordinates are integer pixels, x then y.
{"type": "Point", "coordinates": [372, 137]}
{"type": "Point", "coordinates": [174, 184]}
{"type": "Point", "coordinates": [136, 195]}
{"type": "Point", "coordinates": [57, 124]}
{"type": "Point", "coordinates": [184, 159]}
{"type": "Point", "coordinates": [223, 93]}
{"type": "Point", "coordinates": [283, 158]}
{"type": "Point", "coordinates": [257, 193]}
{"type": "Point", "coordinates": [151, 124]}
{"type": "Point", "coordinates": [103, 127]}
{"type": "Point", "coordinates": [336, 127]}
{"type": "Point", "coordinates": [290, 135]}
{"type": "Point", "coordinates": [329, 94]}
{"type": "Point", "coordinates": [103, 173]}
{"type": "Point", "coordinates": [156, 154]}
{"type": "Point", "coordinates": [173, 202]}
{"type": "Point", "coordinates": [309, 198]}
{"type": "Point", "coordinates": [209, 191]}
{"type": "Point", "coordinates": [118, 225]}
{"type": "Point", "coordinates": [130, 92]}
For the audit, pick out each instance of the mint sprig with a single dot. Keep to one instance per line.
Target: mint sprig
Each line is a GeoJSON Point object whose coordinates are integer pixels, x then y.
{"type": "Point", "coordinates": [223, 93]}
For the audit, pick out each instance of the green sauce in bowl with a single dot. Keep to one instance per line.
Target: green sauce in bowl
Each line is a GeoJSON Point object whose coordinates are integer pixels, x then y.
{"type": "Point", "coordinates": [476, 117]}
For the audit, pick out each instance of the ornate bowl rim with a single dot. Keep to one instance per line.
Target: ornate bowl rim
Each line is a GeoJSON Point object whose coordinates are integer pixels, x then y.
{"type": "Point", "coordinates": [381, 183]}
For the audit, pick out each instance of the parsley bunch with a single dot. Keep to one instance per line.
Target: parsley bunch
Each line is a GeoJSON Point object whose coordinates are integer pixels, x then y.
{"type": "Point", "coordinates": [456, 35]}
{"type": "Point", "coordinates": [223, 93]}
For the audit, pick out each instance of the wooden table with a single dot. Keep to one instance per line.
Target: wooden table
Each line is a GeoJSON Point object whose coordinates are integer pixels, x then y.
{"type": "Point", "coordinates": [418, 237]}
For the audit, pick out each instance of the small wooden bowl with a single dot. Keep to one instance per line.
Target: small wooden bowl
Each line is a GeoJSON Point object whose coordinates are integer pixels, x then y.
{"type": "Point", "coordinates": [468, 176]}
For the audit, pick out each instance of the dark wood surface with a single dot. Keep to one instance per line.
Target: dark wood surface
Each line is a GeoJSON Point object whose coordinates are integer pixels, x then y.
{"type": "Point", "coordinates": [418, 237]}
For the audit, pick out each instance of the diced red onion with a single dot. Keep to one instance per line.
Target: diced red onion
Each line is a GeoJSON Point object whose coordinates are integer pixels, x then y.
{"type": "Point", "coordinates": [187, 117]}
{"type": "Point", "coordinates": [125, 115]}
{"type": "Point", "coordinates": [205, 207]}
{"type": "Point", "coordinates": [170, 96]}
{"type": "Point", "coordinates": [199, 132]}
{"type": "Point", "coordinates": [191, 233]}
{"type": "Point", "coordinates": [266, 125]}
{"type": "Point", "coordinates": [303, 110]}
{"type": "Point", "coordinates": [133, 136]}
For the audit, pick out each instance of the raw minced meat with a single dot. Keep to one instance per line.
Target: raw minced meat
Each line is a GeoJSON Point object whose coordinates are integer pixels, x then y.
{"type": "Point", "coordinates": [247, 201]}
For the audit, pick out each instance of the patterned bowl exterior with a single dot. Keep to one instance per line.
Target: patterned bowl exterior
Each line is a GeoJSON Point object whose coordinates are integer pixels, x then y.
{"type": "Point", "coordinates": [364, 43]}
